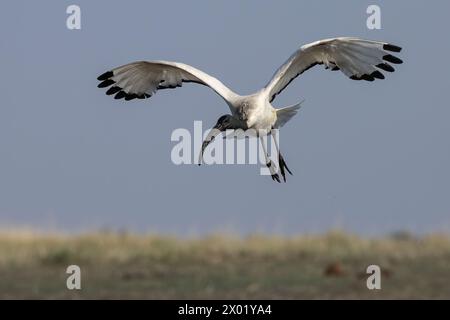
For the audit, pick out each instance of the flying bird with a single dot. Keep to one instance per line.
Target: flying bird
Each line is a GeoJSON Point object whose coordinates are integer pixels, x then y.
{"type": "Point", "coordinates": [358, 59]}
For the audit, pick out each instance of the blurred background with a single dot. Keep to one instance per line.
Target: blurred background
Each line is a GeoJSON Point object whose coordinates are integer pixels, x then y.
{"type": "Point", "coordinates": [369, 159]}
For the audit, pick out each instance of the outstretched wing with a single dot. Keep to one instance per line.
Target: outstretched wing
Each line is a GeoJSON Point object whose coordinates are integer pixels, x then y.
{"type": "Point", "coordinates": [358, 59]}
{"type": "Point", "coordinates": [143, 78]}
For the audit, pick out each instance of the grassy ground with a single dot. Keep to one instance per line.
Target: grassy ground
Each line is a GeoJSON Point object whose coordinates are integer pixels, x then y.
{"type": "Point", "coordinates": [223, 267]}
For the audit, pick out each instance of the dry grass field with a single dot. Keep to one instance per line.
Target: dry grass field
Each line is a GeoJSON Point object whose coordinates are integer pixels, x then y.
{"type": "Point", "coordinates": [129, 266]}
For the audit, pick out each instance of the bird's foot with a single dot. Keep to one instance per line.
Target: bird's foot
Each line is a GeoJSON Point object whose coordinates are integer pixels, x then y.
{"type": "Point", "coordinates": [274, 174]}
{"type": "Point", "coordinates": [276, 177]}
{"type": "Point", "coordinates": [283, 166]}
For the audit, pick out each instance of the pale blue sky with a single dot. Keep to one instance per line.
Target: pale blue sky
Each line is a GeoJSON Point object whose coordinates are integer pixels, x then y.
{"type": "Point", "coordinates": [368, 157]}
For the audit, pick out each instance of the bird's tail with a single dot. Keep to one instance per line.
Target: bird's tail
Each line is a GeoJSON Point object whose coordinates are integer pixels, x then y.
{"type": "Point", "coordinates": [285, 114]}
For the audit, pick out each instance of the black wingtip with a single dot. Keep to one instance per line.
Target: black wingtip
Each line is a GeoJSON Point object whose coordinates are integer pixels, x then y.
{"type": "Point", "coordinates": [131, 96]}
{"type": "Point", "coordinates": [113, 90]}
{"type": "Point", "coordinates": [377, 74]}
{"type": "Point", "coordinates": [386, 67]}
{"type": "Point", "coordinates": [120, 95]}
{"type": "Point", "coordinates": [105, 76]}
{"type": "Point", "coordinates": [392, 59]}
{"type": "Point", "coordinates": [391, 47]}
{"type": "Point", "coordinates": [106, 83]}
{"type": "Point", "coordinates": [366, 77]}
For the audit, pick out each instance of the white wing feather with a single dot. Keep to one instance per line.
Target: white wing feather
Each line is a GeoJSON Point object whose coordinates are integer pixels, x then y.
{"type": "Point", "coordinates": [356, 58]}
{"type": "Point", "coordinates": [143, 78]}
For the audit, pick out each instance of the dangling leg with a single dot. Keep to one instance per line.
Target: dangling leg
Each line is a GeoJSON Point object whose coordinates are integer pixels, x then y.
{"type": "Point", "coordinates": [281, 161]}
{"type": "Point", "coordinates": [269, 162]}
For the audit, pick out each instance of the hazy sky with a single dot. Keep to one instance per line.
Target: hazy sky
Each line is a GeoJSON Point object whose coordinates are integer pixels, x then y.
{"type": "Point", "coordinates": [368, 157]}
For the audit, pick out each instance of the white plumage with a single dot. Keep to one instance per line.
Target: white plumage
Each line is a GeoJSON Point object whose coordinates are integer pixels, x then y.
{"type": "Point", "coordinates": [358, 59]}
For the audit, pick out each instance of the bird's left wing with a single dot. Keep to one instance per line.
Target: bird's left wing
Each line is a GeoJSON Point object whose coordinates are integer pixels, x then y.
{"type": "Point", "coordinates": [358, 59]}
{"type": "Point", "coordinates": [143, 78]}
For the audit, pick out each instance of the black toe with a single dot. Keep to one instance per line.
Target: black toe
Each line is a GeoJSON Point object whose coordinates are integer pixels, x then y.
{"type": "Point", "coordinates": [276, 177]}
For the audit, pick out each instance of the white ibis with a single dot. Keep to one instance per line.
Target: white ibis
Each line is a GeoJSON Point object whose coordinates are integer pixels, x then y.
{"type": "Point", "coordinates": [358, 59]}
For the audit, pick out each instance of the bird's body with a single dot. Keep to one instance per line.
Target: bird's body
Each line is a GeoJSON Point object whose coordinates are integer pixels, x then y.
{"type": "Point", "coordinates": [358, 59]}
{"type": "Point", "coordinates": [255, 112]}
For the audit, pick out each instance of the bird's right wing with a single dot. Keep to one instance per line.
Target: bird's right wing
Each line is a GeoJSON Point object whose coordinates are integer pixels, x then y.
{"type": "Point", "coordinates": [358, 59]}
{"type": "Point", "coordinates": [143, 78]}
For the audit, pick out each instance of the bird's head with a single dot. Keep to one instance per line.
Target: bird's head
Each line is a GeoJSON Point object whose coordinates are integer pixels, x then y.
{"type": "Point", "coordinates": [225, 122]}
